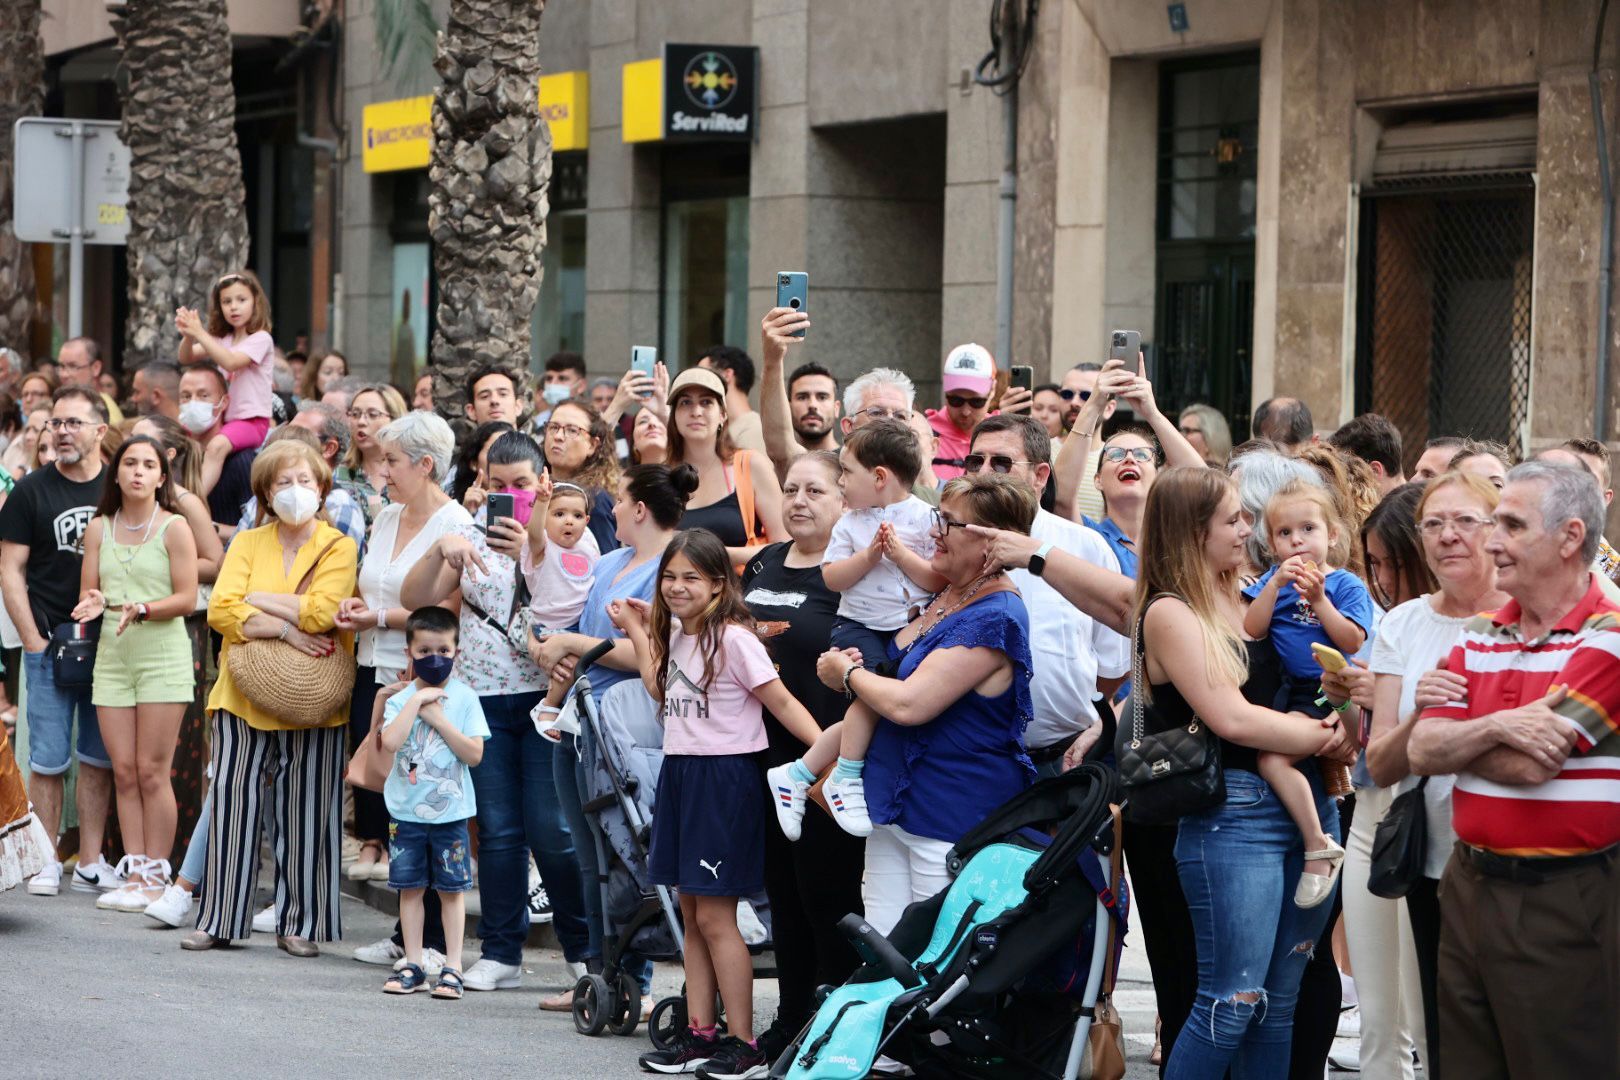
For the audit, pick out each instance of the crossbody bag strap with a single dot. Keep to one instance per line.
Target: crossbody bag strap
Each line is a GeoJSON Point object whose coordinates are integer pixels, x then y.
{"type": "Point", "coordinates": [309, 575]}
{"type": "Point", "coordinates": [1139, 673]}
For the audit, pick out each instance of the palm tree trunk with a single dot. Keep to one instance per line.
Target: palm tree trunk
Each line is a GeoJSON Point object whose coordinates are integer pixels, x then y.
{"type": "Point", "coordinates": [187, 220]}
{"type": "Point", "coordinates": [22, 93]}
{"type": "Point", "coordinates": [487, 204]}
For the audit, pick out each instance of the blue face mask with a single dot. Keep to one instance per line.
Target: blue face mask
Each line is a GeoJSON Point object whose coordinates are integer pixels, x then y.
{"type": "Point", "coordinates": [433, 670]}
{"type": "Point", "coordinates": [556, 393]}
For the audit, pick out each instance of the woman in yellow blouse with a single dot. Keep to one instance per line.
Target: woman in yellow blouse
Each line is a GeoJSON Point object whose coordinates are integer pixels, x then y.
{"type": "Point", "coordinates": [255, 597]}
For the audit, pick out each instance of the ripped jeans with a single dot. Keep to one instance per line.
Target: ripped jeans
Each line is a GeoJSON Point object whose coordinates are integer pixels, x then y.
{"type": "Point", "coordinates": [1238, 866]}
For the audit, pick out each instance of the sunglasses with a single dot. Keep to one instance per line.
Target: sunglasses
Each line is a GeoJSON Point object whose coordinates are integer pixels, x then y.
{"type": "Point", "coordinates": [1000, 463]}
{"type": "Point", "coordinates": [956, 401]}
{"type": "Point", "coordinates": [1070, 395]}
{"type": "Point", "coordinates": [1117, 454]}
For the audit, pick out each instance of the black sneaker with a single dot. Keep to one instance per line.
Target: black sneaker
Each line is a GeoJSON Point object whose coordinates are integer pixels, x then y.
{"type": "Point", "coordinates": [539, 903]}
{"type": "Point", "coordinates": [735, 1060]}
{"type": "Point", "coordinates": [689, 1051]}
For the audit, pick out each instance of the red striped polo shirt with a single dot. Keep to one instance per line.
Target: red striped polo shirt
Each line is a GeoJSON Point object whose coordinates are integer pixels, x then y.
{"type": "Point", "coordinates": [1579, 809]}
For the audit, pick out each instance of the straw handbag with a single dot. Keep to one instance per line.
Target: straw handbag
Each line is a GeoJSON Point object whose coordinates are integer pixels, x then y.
{"type": "Point", "coordinates": [287, 683]}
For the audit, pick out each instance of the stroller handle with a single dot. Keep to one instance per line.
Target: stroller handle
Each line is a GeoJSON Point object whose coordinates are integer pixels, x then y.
{"type": "Point", "coordinates": [601, 649]}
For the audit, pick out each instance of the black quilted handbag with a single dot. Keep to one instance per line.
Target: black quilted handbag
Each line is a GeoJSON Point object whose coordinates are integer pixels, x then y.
{"type": "Point", "coordinates": [1400, 844]}
{"type": "Point", "coordinates": [1167, 771]}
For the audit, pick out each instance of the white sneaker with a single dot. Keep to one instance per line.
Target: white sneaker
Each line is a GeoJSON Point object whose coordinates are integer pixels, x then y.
{"type": "Point", "coordinates": [172, 907]}
{"type": "Point", "coordinates": [382, 953]}
{"type": "Point", "coordinates": [98, 876]}
{"type": "Point", "coordinates": [432, 962]}
{"type": "Point", "coordinates": [1345, 1056]}
{"type": "Point", "coordinates": [847, 799]}
{"type": "Point", "coordinates": [1349, 1023]}
{"type": "Point", "coordinates": [492, 975]}
{"type": "Point", "coordinates": [265, 921]}
{"type": "Point", "coordinates": [788, 796]}
{"type": "Point", "coordinates": [48, 882]}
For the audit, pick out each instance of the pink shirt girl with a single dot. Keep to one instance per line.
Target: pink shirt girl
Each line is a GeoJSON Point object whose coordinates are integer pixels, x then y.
{"type": "Point", "coordinates": [247, 417]}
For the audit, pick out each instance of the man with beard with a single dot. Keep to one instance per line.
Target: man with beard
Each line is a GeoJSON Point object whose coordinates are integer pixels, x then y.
{"type": "Point", "coordinates": [813, 406]}
{"type": "Point", "coordinates": [41, 526]}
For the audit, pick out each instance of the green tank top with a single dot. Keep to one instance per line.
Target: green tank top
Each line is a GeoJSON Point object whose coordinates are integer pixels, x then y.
{"type": "Point", "coordinates": [135, 573]}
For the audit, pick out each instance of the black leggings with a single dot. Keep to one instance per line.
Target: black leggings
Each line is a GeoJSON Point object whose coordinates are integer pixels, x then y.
{"type": "Point", "coordinates": [811, 884]}
{"type": "Point", "coordinates": [1167, 929]}
{"type": "Point", "coordinates": [370, 812]}
{"type": "Point", "coordinates": [1316, 1014]}
{"type": "Point", "coordinates": [1423, 905]}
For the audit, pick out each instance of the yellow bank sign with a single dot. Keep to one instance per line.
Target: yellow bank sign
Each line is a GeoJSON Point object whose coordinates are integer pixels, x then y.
{"type": "Point", "coordinates": [399, 134]}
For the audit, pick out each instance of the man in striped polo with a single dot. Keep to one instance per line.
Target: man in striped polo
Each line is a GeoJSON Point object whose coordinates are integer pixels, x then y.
{"type": "Point", "coordinates": [1530, 902]}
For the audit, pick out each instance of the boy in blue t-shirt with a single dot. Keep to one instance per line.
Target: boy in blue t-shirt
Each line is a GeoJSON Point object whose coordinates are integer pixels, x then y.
{"type": "Point", "coordinates": [435, 728]}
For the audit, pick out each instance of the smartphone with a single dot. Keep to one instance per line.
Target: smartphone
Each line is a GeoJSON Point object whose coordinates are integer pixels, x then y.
{"type": "Point", "coordinates": [1329, 658]}
{"type": "Point", "coordinates": [1022, 375]}
{"type": "Point", "coordinates": [643, 358]}
{"type": "Point", "coordinates": [793, 291]}
{"type": "Point", "coordinates": [500, 504]}
{"type": "Point", "coordinates": [1125, 346]}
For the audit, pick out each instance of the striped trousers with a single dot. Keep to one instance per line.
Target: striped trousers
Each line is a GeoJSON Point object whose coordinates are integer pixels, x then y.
{"type": "Point", "coordinates": [304, 798]}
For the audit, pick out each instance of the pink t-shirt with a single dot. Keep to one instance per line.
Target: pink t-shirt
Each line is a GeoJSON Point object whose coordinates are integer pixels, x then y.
{"type": "Point", "coordinates": [251, 386]}
{"type": "Point", "coordinates": [725, 718]}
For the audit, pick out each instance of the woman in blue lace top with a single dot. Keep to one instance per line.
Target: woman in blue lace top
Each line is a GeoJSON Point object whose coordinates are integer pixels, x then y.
{"type": "Point", "coordinates": [950, 745]}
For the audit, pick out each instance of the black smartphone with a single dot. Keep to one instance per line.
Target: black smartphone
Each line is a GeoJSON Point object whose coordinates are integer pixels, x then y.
{"type": "Point", "coordinates": [499, 505]}
{"type": "Point", "coordinates": [1022, 375]}
{"type": "Point", "coordinates": [793, 291]}
{"type": "Point", "coordinates": [1126, 345]}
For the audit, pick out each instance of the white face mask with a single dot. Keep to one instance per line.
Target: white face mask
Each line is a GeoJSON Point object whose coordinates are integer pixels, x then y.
{"type": "Point", "coordinates": [295, 505]}
{"type": "Point", "coordinates": [197, 416]}
{"type": "Point", "coordinates": [556, 393]}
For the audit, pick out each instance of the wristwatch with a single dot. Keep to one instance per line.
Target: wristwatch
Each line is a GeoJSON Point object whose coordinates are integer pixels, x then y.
{"type": "Point", "coordinates": [1037, 561]}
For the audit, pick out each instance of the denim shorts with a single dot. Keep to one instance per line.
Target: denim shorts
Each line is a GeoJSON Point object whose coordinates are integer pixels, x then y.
{"type": "Point", "coordinates": [420, 855]}
{"type": "Point", "coordinates": [50, 720]}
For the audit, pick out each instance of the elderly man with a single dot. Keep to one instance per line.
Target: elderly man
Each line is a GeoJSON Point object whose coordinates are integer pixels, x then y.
{"type": "Point", "coordinates": [1078, 660]}
{"type": "Point", "coordinates": [327, 431]}
{"type": "Point", "coordinates": [1531, 897]}
{"type": "Point", "coordinates": [1593, 456]}
{"type": "Point", "coordinates": [78, 363]}
{"type": "Point", "coordinates": [155, 389]}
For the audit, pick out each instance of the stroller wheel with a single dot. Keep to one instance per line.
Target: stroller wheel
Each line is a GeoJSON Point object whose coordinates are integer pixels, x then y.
{"type": "Point", "coordinates": [627, 1017]}
{"type": "Point", "coordinates": [593, 1005]}
{"type": "Point", "coordinates": [667, 1021]}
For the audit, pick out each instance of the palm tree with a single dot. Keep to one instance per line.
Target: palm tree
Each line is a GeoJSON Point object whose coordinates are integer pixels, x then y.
{"type": "Point", "coordinates": [187, 214]}
{"type": "Point", "coordinates": [487, 183]}
{"type": "Point", "coordinates": [22, 93]}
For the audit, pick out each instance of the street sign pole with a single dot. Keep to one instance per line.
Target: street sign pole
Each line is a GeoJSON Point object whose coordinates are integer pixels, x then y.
{"type": "Point", "coordinates": [75, 233]}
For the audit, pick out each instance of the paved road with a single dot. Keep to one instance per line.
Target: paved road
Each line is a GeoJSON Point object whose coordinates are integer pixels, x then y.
{"type": "Point", "coordinates": [95, 993]}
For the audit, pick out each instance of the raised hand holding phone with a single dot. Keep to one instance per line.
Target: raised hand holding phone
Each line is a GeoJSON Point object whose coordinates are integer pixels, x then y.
{"type": "Point", "coordinates": [793, 292]}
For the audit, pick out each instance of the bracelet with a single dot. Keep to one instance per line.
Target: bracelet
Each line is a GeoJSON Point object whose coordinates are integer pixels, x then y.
{"type": "Point", "coordinates": [1323, 700]}
{"type": "Point", "coordinates": [286, 628]}
{"type": "Point", "coordinates": [142, 612]}
{"type": "Point", "coordinates": [849, 691]}
{"type": "Point", "coordinates": [382, 618]}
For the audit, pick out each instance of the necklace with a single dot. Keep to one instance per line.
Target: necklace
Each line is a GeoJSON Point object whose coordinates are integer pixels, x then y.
{"type": "Point", "coordinates": [940, 613]}
{"type": "Point", "coordinates": [133, 549]}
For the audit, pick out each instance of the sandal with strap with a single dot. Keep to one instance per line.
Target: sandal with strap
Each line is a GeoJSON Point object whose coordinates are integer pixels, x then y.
{"type": "Point", "coordinates": [407, 980]}
{"type": "Point", "coordinates": [449, 987]}
{"type": "Point", "coordinates": [1314, 889]}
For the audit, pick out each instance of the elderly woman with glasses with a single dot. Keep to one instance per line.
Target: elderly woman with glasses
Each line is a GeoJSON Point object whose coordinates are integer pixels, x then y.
{"type": "Point", "coordinates": [580, 449]}
{"type": "Point", "coordinates": [362, 473]}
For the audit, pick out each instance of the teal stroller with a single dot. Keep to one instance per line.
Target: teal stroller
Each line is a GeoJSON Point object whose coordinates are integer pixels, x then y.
{"type": "Point", "coordinates": [998, 975]}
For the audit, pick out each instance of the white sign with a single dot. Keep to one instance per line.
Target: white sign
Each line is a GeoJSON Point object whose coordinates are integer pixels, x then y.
{"type": "Point", "coordinates": [48, 203]}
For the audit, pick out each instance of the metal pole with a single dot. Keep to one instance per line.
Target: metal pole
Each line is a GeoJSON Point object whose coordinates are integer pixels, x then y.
{"type": "Point", "coordinates": [76, 132]}
{"type": "Point", "coordinates": [1600, 423]}
{"type": "Point", "coordinates": [1006, 62]}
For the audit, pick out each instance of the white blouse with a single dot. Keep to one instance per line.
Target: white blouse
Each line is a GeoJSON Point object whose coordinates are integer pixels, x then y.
{"type": "Point", "coordinates": [382, 574]}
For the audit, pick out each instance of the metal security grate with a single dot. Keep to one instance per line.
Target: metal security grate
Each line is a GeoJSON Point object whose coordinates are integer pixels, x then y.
{"type": "Point", "coordinates": [1443, 338]}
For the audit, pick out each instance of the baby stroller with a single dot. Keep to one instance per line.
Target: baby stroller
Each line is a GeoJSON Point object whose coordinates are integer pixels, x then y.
{"type": "Point", "coordinates": [621, 751]}
{"type": "Point", "coordinates": [982, 979]}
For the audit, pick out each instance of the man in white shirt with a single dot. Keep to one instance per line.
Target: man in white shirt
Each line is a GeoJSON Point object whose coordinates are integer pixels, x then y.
{"type": "Point", "coordinates": [1078, 662]}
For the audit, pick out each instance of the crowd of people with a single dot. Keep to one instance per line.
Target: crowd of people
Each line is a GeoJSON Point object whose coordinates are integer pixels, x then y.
{"type": "Point", "coordinates": [905, 615]}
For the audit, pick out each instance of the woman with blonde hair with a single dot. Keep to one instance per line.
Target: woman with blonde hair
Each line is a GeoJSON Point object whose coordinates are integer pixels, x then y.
{"type": "Point", "coordinates": [362, 474]}
{"type": "Point", "coordinates": [256, 598]}
{"type": "Point", "coordinates": [1239, 860]}
{"type": "Point", "coordinates": [1205, 428]}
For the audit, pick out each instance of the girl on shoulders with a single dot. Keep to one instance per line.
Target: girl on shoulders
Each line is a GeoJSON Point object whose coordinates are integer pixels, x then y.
{"type": "Point", "coordinates": [237, 340]}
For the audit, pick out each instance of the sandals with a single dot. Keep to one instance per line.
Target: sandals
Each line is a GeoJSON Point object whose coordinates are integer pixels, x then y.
{"type": "Point", "coordinates": [363, 871]}
{"type": "Point", "coordinates": [448, 988]}
{"type": "Point", "coordinates": [407, 980]}
{"type": "Point", "coordinates": [1314, 889]}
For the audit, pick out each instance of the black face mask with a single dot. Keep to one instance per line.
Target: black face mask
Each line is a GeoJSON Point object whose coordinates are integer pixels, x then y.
{"type": "Point", "coordinates": [433, 670]}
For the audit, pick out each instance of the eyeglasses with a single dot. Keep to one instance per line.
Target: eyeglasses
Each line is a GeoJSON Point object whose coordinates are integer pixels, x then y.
{"type": "Point", "coordinates": [943, 525]}
{"type": "Point", "coordinates": [371, 415]}
{"type": "Point", "coordinates": [1185, 430]}
{"type": "Point", "coordinates": [878, 412]}
{"type": "Point", "coordinates": [1117, 454]}
{"type": "Point", "coordinates": [1000, 463]}
{"type": "Point", "coordinates": [70, 366]}
{"type": "Point", "coordinates": [567, 431]}
{"type": "Point", "coordinates": [69, 424]}
{"type": "Point", "coordinates": [1070, 395]}
{"type": "Point", "coordinates": [1465, 524]}
{"type": "Point", "coordinates": [956, 401]}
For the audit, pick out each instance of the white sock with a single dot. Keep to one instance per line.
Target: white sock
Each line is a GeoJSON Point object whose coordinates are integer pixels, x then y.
{"type": "Point", "coordinates": [1347, 991]}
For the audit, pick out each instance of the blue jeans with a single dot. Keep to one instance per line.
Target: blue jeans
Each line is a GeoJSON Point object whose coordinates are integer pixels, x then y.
{"type": "Point", "coordinates": [51, 710]}
{"type": "Point", "coordinates": [518, 812]}
{"type": "Point", "coordinates": [1238, 866]}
